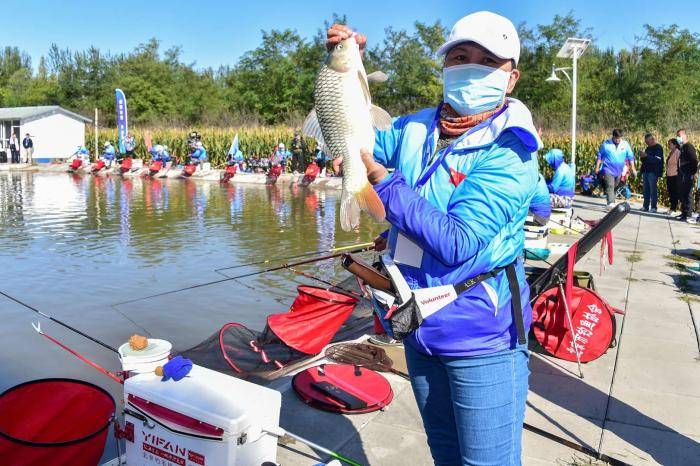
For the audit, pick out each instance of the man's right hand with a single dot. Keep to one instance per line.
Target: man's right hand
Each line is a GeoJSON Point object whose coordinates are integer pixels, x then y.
{"type": "Point", "coordinates": [380, 243]}
{"type": "Point", "coordinates": [339, 32]}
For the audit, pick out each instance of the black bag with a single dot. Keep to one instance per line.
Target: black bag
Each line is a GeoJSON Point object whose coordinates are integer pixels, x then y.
{"type": "Point", "coordinates": [3, 156]}
{"type": "Point", "coordinates": [404, 319]}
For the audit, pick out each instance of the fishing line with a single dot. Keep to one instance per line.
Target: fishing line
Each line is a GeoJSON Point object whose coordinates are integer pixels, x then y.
{"type": "Point", "coordinates": [332, 285]}
{"type": "Point", "coordinates": [245, 275]}
{"type": "Point", "coordinates": [72, 329]}
{"type": "Point", "coordinates": [297, 256]}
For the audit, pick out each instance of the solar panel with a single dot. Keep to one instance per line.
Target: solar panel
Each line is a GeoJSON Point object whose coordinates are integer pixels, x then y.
{"type": "Point", "coordinates": [571, 44]}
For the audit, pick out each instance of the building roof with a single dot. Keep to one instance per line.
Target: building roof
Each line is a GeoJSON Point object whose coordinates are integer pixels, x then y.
{"type": "Point", "coordinates": [22, 113]}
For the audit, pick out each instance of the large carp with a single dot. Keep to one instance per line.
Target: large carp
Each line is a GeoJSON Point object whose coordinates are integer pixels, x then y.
{"type": "Point", "coordinates": [343, 122]}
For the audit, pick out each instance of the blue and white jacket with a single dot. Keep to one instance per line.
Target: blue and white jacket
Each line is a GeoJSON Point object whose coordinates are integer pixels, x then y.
{"type": "Point", "coordinates": [108, 153]}
{"type": "Point", "coordinates": [467, 216]}
{"type": "Point", "coordinates": [199, 154]}
{"type": "Point", "coordinates": [563, 181]}
{"type": "Point", "coordinates": [541, 204]}
{"type": "Point", "coordinates": [613, 157]}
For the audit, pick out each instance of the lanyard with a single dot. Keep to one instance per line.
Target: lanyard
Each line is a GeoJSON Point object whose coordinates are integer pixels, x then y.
{"type": "Point", "coordinates": [427, 150]}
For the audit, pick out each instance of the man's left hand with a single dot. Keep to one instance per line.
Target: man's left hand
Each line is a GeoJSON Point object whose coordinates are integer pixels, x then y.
{"type": "Point", "coordinates": [376, 172]}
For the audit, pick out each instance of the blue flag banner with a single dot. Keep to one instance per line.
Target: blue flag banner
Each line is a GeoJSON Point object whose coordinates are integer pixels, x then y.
{"type": "Point", "coordinates": [234, 145]}
{"type": "Point", "coordinates": [122, 119]}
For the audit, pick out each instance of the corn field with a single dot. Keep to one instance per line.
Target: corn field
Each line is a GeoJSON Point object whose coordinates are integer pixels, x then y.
{"type": "Point", "coordinates": [262, 141]}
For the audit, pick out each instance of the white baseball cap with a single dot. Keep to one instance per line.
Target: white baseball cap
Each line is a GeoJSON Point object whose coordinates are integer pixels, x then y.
{"type": "Point", "coordinates": [493, 32]}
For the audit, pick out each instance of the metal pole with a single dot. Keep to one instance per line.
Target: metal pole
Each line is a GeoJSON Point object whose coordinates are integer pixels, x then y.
{"type": "Point", "coordinates": [573, 108]}
{"type": "Point", "coordinates": [97, 138]}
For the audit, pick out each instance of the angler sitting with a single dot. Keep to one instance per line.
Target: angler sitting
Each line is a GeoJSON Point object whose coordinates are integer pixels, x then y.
{"type": "Point", "coordinates": [199, 155]}
{"type": "Point", "coordinates": [234, 158]}
{"type": "Point", "coordinates": [80, 157]}
{"type": "Point", "coordinates": [280, 155]}
{"type": "Point", "coordinates": [108, 154]}
{"type": "Point", "coordinates": [562, 184]}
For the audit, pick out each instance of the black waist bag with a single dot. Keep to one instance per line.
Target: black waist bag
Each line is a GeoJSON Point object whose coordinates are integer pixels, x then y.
{"type": "Point", "coordinates": [405, 318]}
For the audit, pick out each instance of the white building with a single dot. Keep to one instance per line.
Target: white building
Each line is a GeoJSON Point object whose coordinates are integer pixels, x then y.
{"type": "Point", "coordinates": [56, 132]}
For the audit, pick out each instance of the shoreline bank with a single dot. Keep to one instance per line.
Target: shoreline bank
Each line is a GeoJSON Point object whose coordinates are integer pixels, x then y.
{"type": "Point", "coordinates": [213, 174]}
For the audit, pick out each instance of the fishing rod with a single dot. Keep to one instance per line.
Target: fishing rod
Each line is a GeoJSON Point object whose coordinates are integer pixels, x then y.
{"type": "Point", "coordinates": [87, 361]}
{"type": "Point", "coordinates": [297, 256]}
{"type": "Point", "coordinates": [245, 275]}
{"type": "Point", "coordinates": [72, 329]}
{"type": "Point", "coordinates": [285, 436]}
{"type": "Point", "coordinates": [330, 284]}
{"type": "Point", "coordinates": [575, 446]}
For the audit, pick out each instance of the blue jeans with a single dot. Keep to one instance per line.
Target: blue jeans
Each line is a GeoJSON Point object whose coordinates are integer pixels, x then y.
{"type": "Point", "coordinates": [473, 408]}
{"type": "Point", "coordinates": [651, 192]}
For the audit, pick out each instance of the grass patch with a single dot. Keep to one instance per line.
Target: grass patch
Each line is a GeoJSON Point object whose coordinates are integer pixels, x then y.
{"type": "Point", "coordinates": [634, 279]}
{"type": "Point", "coordinates": [582, 460]}
{"type": "Point", "coordinates": [634, 257]}
{"type": "Point", "coordinates": [689, 299]}
{"type": "Point", "coordinates": [681, 259]}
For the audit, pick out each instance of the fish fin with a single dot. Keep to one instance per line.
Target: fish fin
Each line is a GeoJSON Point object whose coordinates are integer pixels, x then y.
{"type": "Point", "coordinates": [349, 211]}
{"type": "Point", "coordinates": [369, 201]}
{"type": "Point", "coordinates": [380, 118]}
{"type": "Point", "coordinates": [365, 87]}
{"type": "Point", "coordinates": [377, 77]}
{"type": "Point", "coordinates": [312, 128]}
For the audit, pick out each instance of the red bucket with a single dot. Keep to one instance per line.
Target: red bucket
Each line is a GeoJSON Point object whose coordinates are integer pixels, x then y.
{"type": "Point", "coordinates": [97, 166]}
{"type": "Point", "coordinates": [126, 164]}
{"type": "Point", "coordinates": [189, 170]}
{"type": "Point", "coordinates": [314, 318]}
{"type": "Point", "coordinates": [155, 167]}
{"type": "Point", "coordinates": [54, 421]}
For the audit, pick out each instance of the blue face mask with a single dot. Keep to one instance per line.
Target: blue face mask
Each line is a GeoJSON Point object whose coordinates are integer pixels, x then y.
{"type": "Point", "coordinates": [471, 89]}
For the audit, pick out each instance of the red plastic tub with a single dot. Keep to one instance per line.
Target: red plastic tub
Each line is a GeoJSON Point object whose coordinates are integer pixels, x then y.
{"type": "Point", "coordinates": [58, 422]}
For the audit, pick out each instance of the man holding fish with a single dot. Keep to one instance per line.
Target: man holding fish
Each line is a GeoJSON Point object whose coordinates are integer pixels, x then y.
{"type": "Point", "coordinates": [464, 176]}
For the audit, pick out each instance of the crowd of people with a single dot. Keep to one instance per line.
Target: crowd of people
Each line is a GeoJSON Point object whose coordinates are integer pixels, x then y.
{"type": "Point", "coordinates": [616, 162]}
{"type": "Point", "coordinates": [295, 160]}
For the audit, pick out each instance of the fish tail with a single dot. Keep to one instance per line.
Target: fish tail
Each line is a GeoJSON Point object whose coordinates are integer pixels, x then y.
{"type": "Point", "coordinates": [349, 211]}
{"type": "Point", "coordinates": [369, 202]}
{"type": "Point", "coordinates": [351, 203]}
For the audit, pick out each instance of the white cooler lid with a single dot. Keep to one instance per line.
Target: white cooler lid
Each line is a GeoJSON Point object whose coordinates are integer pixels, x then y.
{"type": "Point", "coordinates": [212, 397]}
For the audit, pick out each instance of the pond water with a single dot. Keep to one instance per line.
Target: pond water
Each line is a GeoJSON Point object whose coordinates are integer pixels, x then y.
{"type": "Point", "coordinates": [84, 249]}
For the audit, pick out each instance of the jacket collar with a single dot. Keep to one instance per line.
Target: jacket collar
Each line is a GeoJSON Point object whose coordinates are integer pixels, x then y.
{"type": "Point", "coordinates": [515, 117]}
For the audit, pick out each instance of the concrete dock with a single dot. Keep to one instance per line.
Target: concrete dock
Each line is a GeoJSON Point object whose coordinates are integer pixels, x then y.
{"type": "Point", "coordinates": [639, 403]}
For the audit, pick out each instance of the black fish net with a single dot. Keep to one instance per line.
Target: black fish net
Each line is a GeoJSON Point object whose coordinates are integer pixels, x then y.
{"type": "Point", "coordinates": [238, 351]}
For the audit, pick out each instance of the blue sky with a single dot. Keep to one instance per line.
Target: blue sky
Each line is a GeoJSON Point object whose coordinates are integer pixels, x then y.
{"type": "Point", "coordinates": [213, 32]}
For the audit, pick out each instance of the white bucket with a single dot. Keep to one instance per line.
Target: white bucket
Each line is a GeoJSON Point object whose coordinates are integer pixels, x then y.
{"type": "Point", "coordinates": [146, 360]}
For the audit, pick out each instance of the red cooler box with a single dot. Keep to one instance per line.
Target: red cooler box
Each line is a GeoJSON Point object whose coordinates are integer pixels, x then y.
{"type": "Point", "coordinates": [207, 418]}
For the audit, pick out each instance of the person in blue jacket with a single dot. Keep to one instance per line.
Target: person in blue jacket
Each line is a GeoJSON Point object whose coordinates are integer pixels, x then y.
{"type": "Point", "coordinates": [108, 154]}
{"type": "Point", "coordinates": [165, 154]}
{"type": "Point", "coordinates": [612, 157]}
{"type": "Point", "coordinates": [199, 155]}
{"type": "Point", "coordinates": [563, 182]}
{"type": "Point", "coordinates": [464, 177]}
{"type": "Point", "coordinates": [159, 153]}
{"type": "Point", "coordinates": [541, 205]}
{"type": "Point", "coordinates": [281, 154]}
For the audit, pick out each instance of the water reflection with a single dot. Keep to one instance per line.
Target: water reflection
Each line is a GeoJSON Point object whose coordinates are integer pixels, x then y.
{"type": "Point", "coordinates": [133, 236]}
